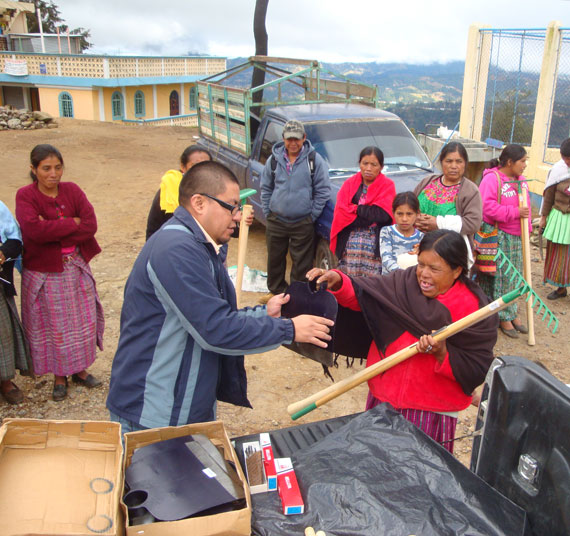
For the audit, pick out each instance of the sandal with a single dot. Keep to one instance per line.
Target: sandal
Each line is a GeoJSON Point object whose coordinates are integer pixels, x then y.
{"type": "Point", "coordinates": [554, 295]}
{"type": "Point", "coordinates": [14, 395]}
{"type": "Point", "coordinates": [89, 381]}
{"type": "Point", "coordinates": [512, 333]}
{"type": "Point", "coordinates": [520, 328]}
{"type": "Point", "coordinates": [59, 392]}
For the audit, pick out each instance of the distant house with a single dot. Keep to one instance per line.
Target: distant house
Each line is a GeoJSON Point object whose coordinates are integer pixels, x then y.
{"type": "Point", "coordinates": [158, 90]}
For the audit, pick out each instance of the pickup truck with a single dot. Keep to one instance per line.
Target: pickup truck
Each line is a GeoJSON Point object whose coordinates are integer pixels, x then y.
{"type": "Point", "coordinates": [337, 130]}
{"type": "Point", "coordinates": [382, 483]}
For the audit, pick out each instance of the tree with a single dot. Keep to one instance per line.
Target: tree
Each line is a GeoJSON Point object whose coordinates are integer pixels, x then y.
{"type": "Point", "coordinates": [52, 21]}
{"type": "Point", "coordinates": [258, 75]}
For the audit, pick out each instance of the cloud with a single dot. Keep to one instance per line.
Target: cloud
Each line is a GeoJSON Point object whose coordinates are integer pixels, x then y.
{"type": "Point", "coordinates": [416, 31]}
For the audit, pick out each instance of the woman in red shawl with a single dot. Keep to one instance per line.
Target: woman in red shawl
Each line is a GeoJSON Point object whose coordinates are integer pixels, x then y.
{"type": "Point", "coordinates": [363, 207]}
{"type": "Point", "coordinates": [398, 308]}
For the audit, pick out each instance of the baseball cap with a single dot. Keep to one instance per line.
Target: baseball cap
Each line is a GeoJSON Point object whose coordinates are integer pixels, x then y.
{"type": "Point", "coordinates": [293, 129]}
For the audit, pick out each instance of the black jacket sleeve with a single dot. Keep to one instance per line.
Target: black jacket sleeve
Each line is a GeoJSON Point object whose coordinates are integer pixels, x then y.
{"type": "Point", "coordinates": [156, 216]}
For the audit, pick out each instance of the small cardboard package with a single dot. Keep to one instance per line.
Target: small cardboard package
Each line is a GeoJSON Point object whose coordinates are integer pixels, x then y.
{"type": "Point", "coordinates": [288, 487]}
{"type": "Point", "coordinates": [233, 523]}
{"type": "Point", "coordinates": [60, 478]}
{"type": "Point", "coordinates": [268, 461]}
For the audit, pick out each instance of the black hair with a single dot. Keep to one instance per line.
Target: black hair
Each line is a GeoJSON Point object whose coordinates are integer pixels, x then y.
{"type": "Point", "coordinates": [189, 151]}
{"type": "Point", "coordinates": [372, 149]}
{"type": "Point", "coordinates": [406, 198]}
{"type": "Point", "coordinates": [41, 152]}
{"type": "Point", "coordinates": [454, 147]}
{"type": "Point", "coordinates": [565, 147]}
{"type": "Point", "coordinates": [512, 152]}
{"type": "Point", "coordinates": [205, 178]}
{"type": "Point", "coordinates": [450, 246]}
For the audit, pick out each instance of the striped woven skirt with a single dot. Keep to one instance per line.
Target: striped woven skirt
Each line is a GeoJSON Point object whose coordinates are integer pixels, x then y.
{"type": "Point", "coordinates": [438, 426]}
{"type": "Point", "coordinates": [62, 317]}
{"type": "Point", "coordinates": [14, 351]}
{"type": "Point", "coordinates": [359, 257]}
{"type": "Point", "coordinates": [498, 285]}
{"type": "Point", "coordinates": [557, 262]}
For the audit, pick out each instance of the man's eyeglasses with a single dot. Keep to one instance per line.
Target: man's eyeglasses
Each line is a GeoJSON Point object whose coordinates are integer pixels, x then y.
{"type": "Point", "coordinates": [234, 209]}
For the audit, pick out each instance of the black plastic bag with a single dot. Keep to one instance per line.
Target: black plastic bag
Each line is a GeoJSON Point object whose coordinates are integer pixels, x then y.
{"type": "Point", "coordinates": [378, 475]}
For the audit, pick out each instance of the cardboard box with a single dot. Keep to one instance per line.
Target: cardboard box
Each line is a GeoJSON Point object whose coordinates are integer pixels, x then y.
{"type": "Point", "coordinates": [254, 467]}
{"type": "Point", "coordinates": [234, 523]}
{"type": "Point", "coordinates": [60, 478]}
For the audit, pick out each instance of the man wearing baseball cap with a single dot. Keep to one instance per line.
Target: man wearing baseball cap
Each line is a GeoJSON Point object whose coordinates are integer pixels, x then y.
{"type": "Point", "coordinates": [295, 187]}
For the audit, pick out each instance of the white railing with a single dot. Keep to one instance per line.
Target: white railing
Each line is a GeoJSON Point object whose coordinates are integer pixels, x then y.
{"type": "Point", "coordinates": [188, 120]}
{"type": "Point", "coordinates": [88, 66]}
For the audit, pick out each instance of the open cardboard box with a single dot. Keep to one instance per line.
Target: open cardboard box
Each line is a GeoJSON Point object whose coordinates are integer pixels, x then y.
{"type": "Point", "coordinates": [60, 478]}
{"type": "Point", "coordinates": [234, 523]}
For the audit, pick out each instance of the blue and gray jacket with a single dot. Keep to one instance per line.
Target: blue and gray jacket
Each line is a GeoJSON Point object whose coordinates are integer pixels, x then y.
{"type": "Point", "coordinates": [182, 338]}
{"type": "Point", "coordinates": [291, 194]}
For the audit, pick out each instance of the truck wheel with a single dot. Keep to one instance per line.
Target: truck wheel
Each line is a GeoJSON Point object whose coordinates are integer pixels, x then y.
{"type": "Point", "coordinates": [324, 257]}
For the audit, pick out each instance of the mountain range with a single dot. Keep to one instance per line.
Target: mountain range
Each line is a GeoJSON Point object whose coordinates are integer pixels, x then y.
{"type": "Point", "coordinates": [402, 82]}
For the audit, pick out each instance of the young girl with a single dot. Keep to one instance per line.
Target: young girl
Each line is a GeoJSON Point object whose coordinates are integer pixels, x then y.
{"type": "Point", "coordinates": [398, 242]}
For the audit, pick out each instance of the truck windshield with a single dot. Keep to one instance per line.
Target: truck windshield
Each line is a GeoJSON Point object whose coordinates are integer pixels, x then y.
{"type": "Point", "coordinates": [341, 143]}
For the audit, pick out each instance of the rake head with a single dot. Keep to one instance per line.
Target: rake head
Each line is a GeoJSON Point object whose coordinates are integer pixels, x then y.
{"type": "Point", "coordinates": [501, 259]}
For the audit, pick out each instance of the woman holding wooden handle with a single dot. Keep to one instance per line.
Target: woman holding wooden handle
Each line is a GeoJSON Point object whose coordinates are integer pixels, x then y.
{"type": "Point", "coordinates": [430, 388]}
{"type": "Point", "coordinates": [501, 207]}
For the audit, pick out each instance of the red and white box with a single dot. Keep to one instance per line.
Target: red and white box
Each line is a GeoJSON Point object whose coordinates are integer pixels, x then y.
{"type": "Point", "coordinates": [288, 487]}
{"type": "Point", "coordinates": [268, 461]}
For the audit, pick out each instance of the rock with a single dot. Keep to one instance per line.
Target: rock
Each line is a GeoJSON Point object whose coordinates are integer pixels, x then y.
{"type": "Point", "coordinates": [13, 123]}
{"type": "Point", "coordinates": [51, 125]}
{"type": "Point", "coordinates": [26, 124]}
{"type": "Point", "coordinates": [42, 116]}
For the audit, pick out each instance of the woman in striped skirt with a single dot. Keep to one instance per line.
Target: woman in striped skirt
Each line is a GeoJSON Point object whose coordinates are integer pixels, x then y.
{"type": "Point", "coordinates": [61, 311]}
{"type": "Point", "coordinates": [500, 194]}
{"type": "Point", "coordinates": [555, 224]}
{"type": "Point", "coordinates": [14, 353]}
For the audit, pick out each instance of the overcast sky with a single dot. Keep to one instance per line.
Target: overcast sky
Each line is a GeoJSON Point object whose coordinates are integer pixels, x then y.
{"type": "Point", "coordinates": [415, 31]}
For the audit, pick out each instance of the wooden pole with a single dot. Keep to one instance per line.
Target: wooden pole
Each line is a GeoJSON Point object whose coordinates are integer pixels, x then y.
{"type": "Point", "coordinates": [525, 239]}
{"type": "Point", "coordinates": [298, 409]}
{"type": "Point", "coordinates": [242, 247]}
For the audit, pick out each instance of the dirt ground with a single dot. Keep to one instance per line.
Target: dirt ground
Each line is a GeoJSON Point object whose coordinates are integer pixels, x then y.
{"type": "Point", "coordinates": [119, 168]}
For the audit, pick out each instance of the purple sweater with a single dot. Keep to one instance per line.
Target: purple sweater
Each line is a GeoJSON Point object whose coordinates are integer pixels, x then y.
{"type": "Point", "coordinates": [506, 213]}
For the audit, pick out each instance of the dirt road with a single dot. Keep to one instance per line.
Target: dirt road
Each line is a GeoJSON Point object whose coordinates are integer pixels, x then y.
{"type": "Point", "coordinates": [119, 168]}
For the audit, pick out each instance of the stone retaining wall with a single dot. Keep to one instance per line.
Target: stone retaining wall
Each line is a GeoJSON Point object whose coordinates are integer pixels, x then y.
{"type": "Point", "coordinates": [24, 119]}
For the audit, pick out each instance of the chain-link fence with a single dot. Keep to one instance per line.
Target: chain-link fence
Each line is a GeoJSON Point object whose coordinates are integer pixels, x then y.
{"type": "Point", "coordinates": [559, 127]}
{"type": "Point", "coordinates": [512, 85]}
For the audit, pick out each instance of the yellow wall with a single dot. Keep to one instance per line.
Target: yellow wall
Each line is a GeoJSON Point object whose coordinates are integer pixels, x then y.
{"type": "Point", "coordinates": [86, 101]}
{"type": "Point", "coordinates": [83, 107]}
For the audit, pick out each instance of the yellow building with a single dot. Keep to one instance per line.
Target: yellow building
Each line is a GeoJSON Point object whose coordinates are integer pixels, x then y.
{"type": "Point", "coordinates": [106, 88]}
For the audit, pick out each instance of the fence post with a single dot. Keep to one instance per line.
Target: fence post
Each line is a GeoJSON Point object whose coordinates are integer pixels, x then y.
{"type": "Point", "coordinates": [475, 82]}
{"type": "Point", "coordinates": [544, 102]}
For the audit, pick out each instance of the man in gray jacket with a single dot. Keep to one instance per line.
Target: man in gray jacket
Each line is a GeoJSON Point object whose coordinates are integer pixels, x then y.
{"type": "Point", "coordinates": [295, 187]}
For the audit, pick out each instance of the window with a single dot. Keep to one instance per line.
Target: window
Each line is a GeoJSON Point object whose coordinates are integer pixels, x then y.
{"type": "Point", "coordinates": [65, 104]}
{"type": "Point", "coordinates": [117, 105]}
{"type": "Point", "coordinates": [139, 104]}
{"type": "Point", "coordinates": [193, 98]}
{"type": "Point", "coordinates": [174, 107]}
{"type": "Point", "coordinates": [273, 134]}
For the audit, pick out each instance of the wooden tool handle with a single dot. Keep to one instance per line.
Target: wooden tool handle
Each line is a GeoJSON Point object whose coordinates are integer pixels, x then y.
{"type": "Point", "coordinates": [298, 409]}
{"type": "Point", "coordinates": [242, 247]}
{"type": "Point", "coordinates": [525, 239]}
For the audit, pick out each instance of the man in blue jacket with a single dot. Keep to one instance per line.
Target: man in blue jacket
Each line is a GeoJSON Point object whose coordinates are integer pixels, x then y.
{"type": "Point", "coordinates": [182, 338]}
{"type": "Point", "coordinates": [295, 187]}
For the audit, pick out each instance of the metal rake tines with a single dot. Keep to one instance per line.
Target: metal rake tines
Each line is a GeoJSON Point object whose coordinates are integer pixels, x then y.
{"type": "Point", "coordinates": [501, 259]}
